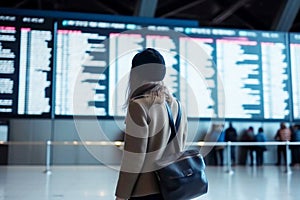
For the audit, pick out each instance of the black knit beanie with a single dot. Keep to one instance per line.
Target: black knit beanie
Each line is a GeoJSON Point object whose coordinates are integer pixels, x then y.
{"type": "Point", "coordinates": [149, 65]}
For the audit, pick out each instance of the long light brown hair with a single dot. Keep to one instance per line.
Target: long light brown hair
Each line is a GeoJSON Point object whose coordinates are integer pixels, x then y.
{"type": "Point", "coordinates": [152, 89]}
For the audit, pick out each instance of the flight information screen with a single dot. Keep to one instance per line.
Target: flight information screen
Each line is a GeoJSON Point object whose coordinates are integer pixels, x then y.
{"type": "Point", "coordinates": [80, 66]}
{"type": "Point", "coordinates": [295, 71]}
{"type": "Point", "coordinates": [26, 45]}
{"type": "Point", "coordinates": [81, 75]}
{"type": "Point", "coordinates": [122, 48]}
{"type": "Point", "coordinates": [93, 62]}
{"type": "Point", "coordinates": [234, 74]}
{"type": "Point", "coordinates": [199, 74]}
{"type": "Point", "coordinates": [248, 78]}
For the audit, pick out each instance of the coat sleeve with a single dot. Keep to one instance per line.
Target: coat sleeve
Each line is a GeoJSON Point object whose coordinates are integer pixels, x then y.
{"type": "Point", "coordinates": [135, 148]}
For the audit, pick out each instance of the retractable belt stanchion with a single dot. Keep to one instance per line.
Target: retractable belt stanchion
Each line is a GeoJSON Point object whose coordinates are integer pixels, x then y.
{"type": "Point", "coordinates": [287, 165]}
{"type": "Point", "coordinates": [229, 168]}
{"type": "Point", "coordinates": [48, 157]}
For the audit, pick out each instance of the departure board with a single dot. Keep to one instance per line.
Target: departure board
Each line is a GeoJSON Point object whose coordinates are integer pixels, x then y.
{"type": "Point", "coordinates": [275, 75]}
{"type": "Point", "coordinates": [198, 69]}
{"type": "Point", "coordinates": [8, 65]}
{"type": "Point", "coordinates": [26, 65]}
{"type": "Point", "coordinates": [93, 60]}
{"type": "Point", "coordinates": [58, 65]}
{"type": "Point", "coordinates": [123, 47]}
{"type": "Point", "coordinates": [251, 66]}
{"type": "Point", "coordinates": [200, 64]}
{"type": "Point", "coordinates": [295, 71]}
{"type": "Point", "coordinates": [81, 75]}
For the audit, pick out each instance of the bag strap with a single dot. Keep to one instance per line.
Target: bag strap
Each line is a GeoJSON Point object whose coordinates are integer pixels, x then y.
{"type": "Point", "coordinates": [174, 127]}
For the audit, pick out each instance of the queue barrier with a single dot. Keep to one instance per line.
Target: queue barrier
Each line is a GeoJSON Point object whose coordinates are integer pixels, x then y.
{"type": "Point", "coordinates": [229, 170]}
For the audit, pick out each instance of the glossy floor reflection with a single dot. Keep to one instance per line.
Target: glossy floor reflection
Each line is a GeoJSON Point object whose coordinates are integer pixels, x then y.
{"type": "Point", "coordinates": [98, 182]}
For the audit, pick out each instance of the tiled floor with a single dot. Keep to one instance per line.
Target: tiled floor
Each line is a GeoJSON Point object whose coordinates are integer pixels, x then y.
{"type": "Point", "coordinates": [98, 182]}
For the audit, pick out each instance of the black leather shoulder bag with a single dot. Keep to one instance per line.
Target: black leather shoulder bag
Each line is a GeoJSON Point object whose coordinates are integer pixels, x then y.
{"type": "Point", "coordinates": [181, 175]}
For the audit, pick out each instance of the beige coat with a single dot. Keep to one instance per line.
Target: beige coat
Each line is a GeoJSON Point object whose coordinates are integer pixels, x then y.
{"type": "Point", "coordinates": [147, 134]}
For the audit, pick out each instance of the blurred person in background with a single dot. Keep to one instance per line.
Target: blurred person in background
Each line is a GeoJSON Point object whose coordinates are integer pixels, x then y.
{"type": "Point", "coordinates": [283, 134]}
{"type": "Point", "coordinates": [260, 149]}
{"type": "Point", "coordinates": [231, 135]}
{"type": "Point", "coordinates": [248, 136]}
